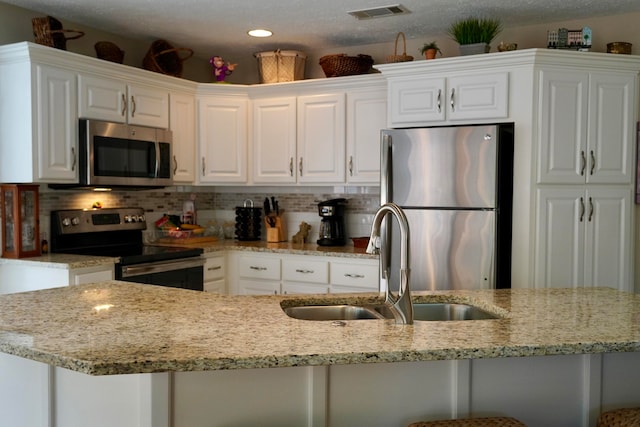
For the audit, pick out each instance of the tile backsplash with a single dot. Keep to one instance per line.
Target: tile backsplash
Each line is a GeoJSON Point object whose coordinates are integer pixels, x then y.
{"type": "Point", "coordinates": [220, 203]}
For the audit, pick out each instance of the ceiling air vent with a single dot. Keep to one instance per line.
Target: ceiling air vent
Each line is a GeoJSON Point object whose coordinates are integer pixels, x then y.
{"type": "Point", "coordinates": [380, 12]}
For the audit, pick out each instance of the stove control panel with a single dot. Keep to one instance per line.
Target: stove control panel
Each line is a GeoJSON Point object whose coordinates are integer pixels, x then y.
{"type": "Point", "coordinates": [95, 220]}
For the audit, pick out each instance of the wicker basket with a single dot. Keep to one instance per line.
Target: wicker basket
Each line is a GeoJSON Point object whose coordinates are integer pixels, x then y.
{"type": "Point", "coordinates": [342, 65]}
{"type": "Point", "coordinates": [281, 65]}
{"type": "Point", "coordinates": [109, 52]}
{"type": "Point", "coordinates": [164, 58]}
{"type": "Point", "coordinates": [49, 32]}
{"type": "Point", "coordinates": [400, 58]}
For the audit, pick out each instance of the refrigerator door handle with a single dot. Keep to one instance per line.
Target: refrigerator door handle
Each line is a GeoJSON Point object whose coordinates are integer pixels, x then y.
{"type": "Point", "coordinates": [386, 176]}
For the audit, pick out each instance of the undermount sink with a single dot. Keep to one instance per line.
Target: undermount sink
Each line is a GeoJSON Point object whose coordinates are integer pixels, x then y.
{"type": "Point", "coordinates": [421, 311]}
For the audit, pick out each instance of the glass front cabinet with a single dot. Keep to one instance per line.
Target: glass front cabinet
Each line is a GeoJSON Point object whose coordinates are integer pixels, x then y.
{"type": "Point", "coordinates": [20, 221]}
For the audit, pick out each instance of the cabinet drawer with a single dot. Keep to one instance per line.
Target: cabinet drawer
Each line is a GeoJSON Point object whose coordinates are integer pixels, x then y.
{"type": "Point", "coordinates": [214, 268]}
{"type": "Point", "coordinates": [300, 270]}
{"type": "Point", "coordinates": [355, 275]}
{"type": "Point", "coordinates": [260, 267]}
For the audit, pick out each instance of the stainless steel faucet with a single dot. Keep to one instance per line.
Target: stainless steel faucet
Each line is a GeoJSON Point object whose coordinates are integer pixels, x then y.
{"type": "Point", "coordinates": [400, 305]}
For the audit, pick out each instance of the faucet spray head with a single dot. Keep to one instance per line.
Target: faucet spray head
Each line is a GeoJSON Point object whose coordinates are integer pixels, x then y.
{"type": "Point", "coordinates": [374, 245]}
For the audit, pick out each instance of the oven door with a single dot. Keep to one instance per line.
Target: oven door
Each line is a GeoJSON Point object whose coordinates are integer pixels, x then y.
{"type": "Point", "coordinates": [186, 273]}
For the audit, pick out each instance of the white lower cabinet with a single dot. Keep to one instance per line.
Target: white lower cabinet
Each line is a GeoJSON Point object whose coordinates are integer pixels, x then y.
{"type": "Point", "coordinates": [214, 273]}
{"type": "Point", "coordinates": [31, 276]}
{"type": "Point", "coordinates": [585, 237]}
{"type": "Point", "coordinates": [273, 274]}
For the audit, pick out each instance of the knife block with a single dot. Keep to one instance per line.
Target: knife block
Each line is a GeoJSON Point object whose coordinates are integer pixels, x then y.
{"type": "Point", "coordinates": [276, 233]}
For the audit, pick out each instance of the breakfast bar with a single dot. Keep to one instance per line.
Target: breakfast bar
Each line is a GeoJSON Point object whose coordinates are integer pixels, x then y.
{"type": "Point", "coordinates": [166, 356]}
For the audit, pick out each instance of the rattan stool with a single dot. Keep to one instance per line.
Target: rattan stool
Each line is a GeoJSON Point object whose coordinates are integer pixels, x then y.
{"type": "Point", "coordinates": [620, 417]}
{"type": "Point", "coordinates": [472, 422]}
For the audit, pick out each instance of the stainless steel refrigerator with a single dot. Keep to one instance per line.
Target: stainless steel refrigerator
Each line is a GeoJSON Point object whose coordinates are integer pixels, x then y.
{"type": "Point", "coordinates": [455, 186]}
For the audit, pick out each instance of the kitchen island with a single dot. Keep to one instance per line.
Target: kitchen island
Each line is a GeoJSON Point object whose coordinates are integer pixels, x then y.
{"type": "Point", "coordinates": [173, 357]}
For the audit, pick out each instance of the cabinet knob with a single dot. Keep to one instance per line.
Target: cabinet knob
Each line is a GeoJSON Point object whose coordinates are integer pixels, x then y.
{"type": "Point", "coordinates": [354, 276]}
{"type": "Point", "coordinates": [175, 165]}
{"type": "Point", "coordinates": [303, 271]}
{"type": "Point", "coordinates": [583, 164]}
{"type": "Point", "coordinates": [590, 209]}
{"type": "Point", "coordinates": [300, 166]}
{"type": "Point", "coordinates": [253, 267]}
{"type": "Point", "coordinates": [593, 162]}
{"type": "Point", "coordinates": [350, 165]}
{"type": "Point", "coordinates": [439, 100]}
{"type": "Point", "coordinates": [290, 166]}
{"type": "Point", "coordinates": [581, 209]}
{"type": "Point", "coordinates": [203, 166]}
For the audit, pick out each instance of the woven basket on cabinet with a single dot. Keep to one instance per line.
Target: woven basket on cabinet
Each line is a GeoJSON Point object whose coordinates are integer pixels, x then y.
{"type": "Point", "coordinates": [403, 57]}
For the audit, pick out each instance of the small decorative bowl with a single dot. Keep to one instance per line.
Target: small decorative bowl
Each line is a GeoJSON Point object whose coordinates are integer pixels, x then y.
{"type": "Point", "coordinates": [360, 242]}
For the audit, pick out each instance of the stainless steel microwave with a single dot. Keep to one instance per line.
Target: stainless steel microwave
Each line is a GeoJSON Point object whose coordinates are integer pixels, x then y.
{"type": "Point", "coordinates": [120, 155]}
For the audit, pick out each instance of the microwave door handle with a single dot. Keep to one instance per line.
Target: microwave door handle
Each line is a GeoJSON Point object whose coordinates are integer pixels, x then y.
{"type": "Point", "coordinates": [157, 171]}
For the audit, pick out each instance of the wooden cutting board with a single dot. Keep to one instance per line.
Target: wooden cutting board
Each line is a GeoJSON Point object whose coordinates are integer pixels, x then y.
{"type": "Point", "coordinates": [188, 241]}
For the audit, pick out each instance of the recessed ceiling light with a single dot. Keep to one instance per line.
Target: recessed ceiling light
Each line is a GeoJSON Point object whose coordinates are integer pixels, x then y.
{"type": "Point", "coordinates": [260, 33]}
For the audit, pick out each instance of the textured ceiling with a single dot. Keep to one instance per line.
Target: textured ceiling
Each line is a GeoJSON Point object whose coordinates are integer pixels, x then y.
{"type": "Point", "coordinates": [210, 25]}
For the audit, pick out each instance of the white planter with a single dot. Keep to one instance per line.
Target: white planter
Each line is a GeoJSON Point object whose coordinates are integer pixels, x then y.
{"type": "Point", "coordinates": [473, 49]}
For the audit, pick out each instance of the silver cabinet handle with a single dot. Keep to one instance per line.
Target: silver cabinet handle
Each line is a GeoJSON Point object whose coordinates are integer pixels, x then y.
{"type": "Point", "coordinates": [73, 159]}
{"type": "Point", "coordinates": [453, 106]}
{"type": "Point", "coordinates": [300, 166]}
{"type": "Point", "coordinates": [217, 267]}
{"type": "Point", "coordinates": [253, 267]}
{"type": "Point", "coordinates": [581, 209]}
{"type": "Point", "coordinates": [133, 106]}
{"type": "Point", "coordinates": [593, 162]}
{"type": "Point", "coordinates": [175, 165]}
{"type": "Point", "coordinates": [300, 270]}
{"type": "Point", "coordinates": [590, 209]}
{"type": "Point", "coordinates": [583, 166]}
{"type": "Point", "coordinates": [354, 276]}
{"type": "Point", "coordinates": [124, 105]}
{"type": "Point", "coordinates": [290, 166]}
{"type": "Point", "coordinates": [439, 100]}
{"type": "Point", "coordinates": [350, 165]}
{"type": "Point", "coordinates": [203, 166]}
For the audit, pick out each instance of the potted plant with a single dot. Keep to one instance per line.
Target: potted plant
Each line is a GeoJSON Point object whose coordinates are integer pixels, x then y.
{"type": "Point", "coordinates": [429, 50]}
{"type": "Point", "coordinates": [474, 34]}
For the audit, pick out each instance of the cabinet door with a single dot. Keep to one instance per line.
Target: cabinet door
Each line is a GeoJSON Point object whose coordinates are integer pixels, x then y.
{"type": "Point", "coordinates": [611, 148]}
{"type": "Point", "coordinates": [304, 288]}
{"type": "Point", "coordinates": [609, 237]}
{"type": "Point", "coordinates": [415, 101]}
{"type": "Point", "coordinates": [366, 116]}
{"type": "Point", "coordinates": [254, 287]}
{"type": "Point", "coordinates": [478, 96]}
{"type": "Point", "coordinates": [562, 156]}
{"type": "Point", "coordinates": [102, 99]}
{"type": "Point", "coordinates": [57, 125]}
{"type": "Point", "coordinates": [182, 115]}
{"type": "Point", "coordinates": [321, 138]}
{"type": "Point", "coordinates": [222, 139]}
{"type": "Point", "coordinates": [561, 215]}
{"type": "Point", "coordinates": [91, 275]}
{"type": "Point", "coordinates": [148, 106]}
{"type": "Point", "coordinates": [274, 140]}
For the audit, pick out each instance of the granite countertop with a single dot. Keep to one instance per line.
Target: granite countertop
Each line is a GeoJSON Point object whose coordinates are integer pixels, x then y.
{"type": "Point", "coordinates": [347, 251]}
{"type": "Point", "coordinates": [64, 261]}
{"type": "Point", "coordinates": [119, 328]}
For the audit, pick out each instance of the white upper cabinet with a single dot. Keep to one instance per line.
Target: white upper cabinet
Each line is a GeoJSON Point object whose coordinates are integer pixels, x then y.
{"type": "Point", "coordinates": [299, 139]}
{"type": "Point", "coordinates": [586, 128]}
{"type": "Point", "coordinates": [274, 140]}
{"type": "Point", "coordinates": [321, 138]}
{"type": "Point", "coordinates": [222, 139]}
{"type": "Point", "coordinates": [114, 100]}
{"type": "Point", "coordinates": [428, 100]}
{"type": "Point", "coordinates": [182, 123]}
{"type": "Point", "coordinates": [38, 123]}
{"type": "Point", "coordinates": [366, 117]}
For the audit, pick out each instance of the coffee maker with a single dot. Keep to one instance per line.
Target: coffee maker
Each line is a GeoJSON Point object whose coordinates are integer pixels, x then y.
{"type": "Point", "coordinates": [332, 224]}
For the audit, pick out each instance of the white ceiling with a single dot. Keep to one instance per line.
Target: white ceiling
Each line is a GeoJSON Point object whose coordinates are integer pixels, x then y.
{"type": "Point", "coordinates": [208, 26]}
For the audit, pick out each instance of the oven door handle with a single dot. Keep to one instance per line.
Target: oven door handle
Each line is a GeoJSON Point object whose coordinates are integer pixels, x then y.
{"type": "Point", "coordinates": [161, 266]}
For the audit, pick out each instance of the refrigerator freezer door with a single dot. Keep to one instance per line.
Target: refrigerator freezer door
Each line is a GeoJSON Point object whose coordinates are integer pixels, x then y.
{"type": "Point", "coordinates": [450, 249]}
{"type": "Point", "coordinates": [440, 167]}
